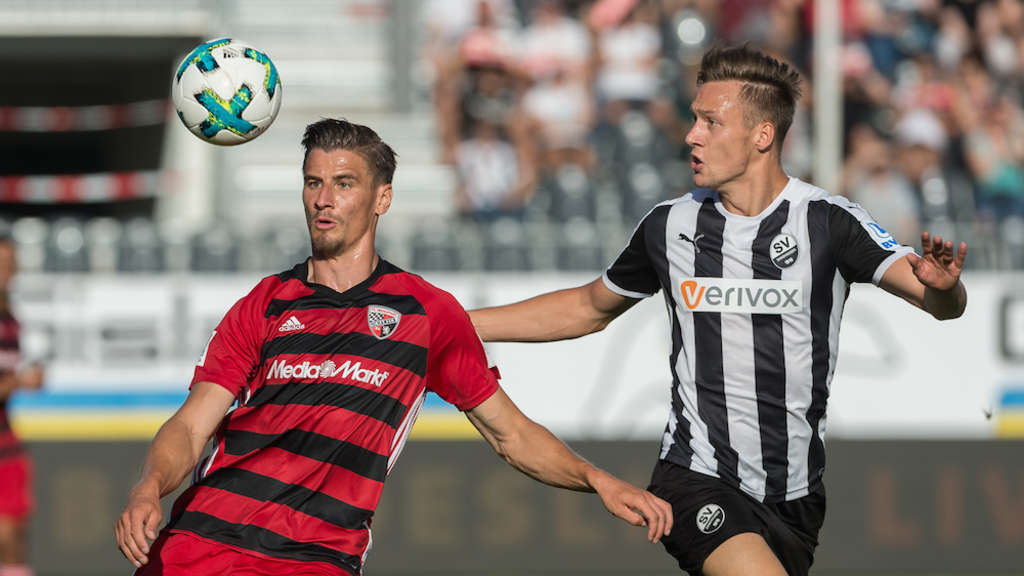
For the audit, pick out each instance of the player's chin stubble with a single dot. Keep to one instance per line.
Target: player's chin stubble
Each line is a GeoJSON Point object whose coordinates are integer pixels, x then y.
{"type": "Point", "coordinates": [325, 247]}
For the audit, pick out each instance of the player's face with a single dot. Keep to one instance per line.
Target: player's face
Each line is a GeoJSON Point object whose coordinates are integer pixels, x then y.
{"type": "Point", "coordinates": [341, 200]}
{"type": "Point", "coordinates": [8, 266]}
{"type": "Point", "coordinates": [721, 140]}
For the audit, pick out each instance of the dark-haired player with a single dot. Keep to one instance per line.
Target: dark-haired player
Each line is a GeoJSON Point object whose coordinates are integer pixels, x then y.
{"type": "Point", "coordinates": [329, 363]}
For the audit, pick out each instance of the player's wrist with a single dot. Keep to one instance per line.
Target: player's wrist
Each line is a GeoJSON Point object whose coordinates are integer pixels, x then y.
{"type": "Point", "coordinates": [596, 478]}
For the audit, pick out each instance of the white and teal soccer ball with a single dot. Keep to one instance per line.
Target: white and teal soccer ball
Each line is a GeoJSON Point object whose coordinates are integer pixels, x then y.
{"type": "Point", "coordinates": [226, 92]}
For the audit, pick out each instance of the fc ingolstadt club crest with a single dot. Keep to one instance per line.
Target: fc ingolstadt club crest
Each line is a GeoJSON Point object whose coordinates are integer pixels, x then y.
{"type": "Point", "coordinates": [383, 321]}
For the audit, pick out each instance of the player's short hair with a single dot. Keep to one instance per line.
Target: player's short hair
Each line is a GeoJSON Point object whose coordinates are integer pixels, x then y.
{"type": "Point", "coordinates": [334, 134]}
{"type": "Point", "coordinates": [771, 87]}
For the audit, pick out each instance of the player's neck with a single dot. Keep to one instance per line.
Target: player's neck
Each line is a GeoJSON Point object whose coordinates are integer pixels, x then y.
{"type": "Point", "coordinates": [755, 191]}
{"type": "Point", "coordinates": [343, 271]}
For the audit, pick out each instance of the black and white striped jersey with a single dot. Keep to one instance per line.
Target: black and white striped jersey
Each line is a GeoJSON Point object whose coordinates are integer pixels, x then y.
{"type": "Point", "coordinates": [754, 305]}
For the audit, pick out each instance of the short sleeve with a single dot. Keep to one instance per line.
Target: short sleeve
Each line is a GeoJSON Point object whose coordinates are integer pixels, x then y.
{"type": "Point", "coordinates": [632, 274]}
{"type": "Point", "coordinates": [457, 367]}
{"type": "Point", "coordinates": [862, 249]}
{"type": "Point", "coordinates": [233, 351]}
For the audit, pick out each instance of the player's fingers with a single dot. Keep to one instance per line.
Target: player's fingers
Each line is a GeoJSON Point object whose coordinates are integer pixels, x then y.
{"type": "Point", "coordinates": [655, 517]}
{"type": "Point", "coordinates": [152, 522]}
{"type": "Point", "coordinates": [961, 255]}
{"type": "Point", "coordinates": [947, 252]}
{"type": "Point", "coordinates": [669, 517]}
{"type": "Point", "coordinates": [130, 550]}
{"type": "Point", "coordinates": [626, 513]}
{"type": "Point", "coordinates": [936, 247]}
{"type": "Point", "coordinates": [137, 533]}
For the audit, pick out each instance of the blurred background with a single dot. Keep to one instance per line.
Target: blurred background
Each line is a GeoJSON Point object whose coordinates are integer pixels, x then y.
{"type": "Point", "coordinates": [532, 136]}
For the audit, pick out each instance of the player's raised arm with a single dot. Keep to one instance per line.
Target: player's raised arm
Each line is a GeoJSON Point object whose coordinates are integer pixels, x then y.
{"type": "Point", "coordinates": [558, 315]}
{"type": "Point", "coordinates": [532, 449]}
{"type": "Point", "coordinates": [172, 455]}
{"type": "Point", "coordinates": [931, 281]}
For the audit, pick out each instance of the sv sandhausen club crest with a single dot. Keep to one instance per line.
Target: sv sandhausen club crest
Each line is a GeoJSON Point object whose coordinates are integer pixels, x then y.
{"type": "Point", "coordinates": [383, 321]}
{"type": "Point", "coordinates": [783, 250]}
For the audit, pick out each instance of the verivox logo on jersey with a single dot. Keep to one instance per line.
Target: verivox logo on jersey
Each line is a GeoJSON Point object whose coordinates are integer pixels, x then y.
{"type": "Point", "coordinates": [742, 296]}
{"type": "Point", "coordinates": [327, 369]}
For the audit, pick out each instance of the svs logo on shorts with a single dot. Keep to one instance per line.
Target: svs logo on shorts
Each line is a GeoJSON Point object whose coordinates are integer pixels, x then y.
{"type": "Point", "coordinates": [710, 518]}
{"type": "Point", "coordinates": [327, 369]}
{"type": "Point", "coordinates": [742, 296]}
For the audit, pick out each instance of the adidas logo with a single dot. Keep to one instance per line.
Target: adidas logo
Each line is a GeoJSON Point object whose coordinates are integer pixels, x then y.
{"type": "Point", "coordinates": [291, 324]}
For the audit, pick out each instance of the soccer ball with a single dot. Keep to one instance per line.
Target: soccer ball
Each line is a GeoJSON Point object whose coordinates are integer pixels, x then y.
{"type": "Point", "coordinates": [226, 92]}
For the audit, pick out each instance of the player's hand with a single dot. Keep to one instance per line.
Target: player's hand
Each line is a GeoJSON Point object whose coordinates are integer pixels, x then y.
{"type": "Point", "coordinates": [937, 267]}
{"type": "Point", "coordinates": [31, 377]}
{"type": "Point", "coordinates": [138, 524]}
{"type": "Point", "coordinates": [636, 506]}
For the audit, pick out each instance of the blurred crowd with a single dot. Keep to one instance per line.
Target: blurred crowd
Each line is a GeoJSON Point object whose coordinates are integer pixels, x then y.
{"type": "Point", "coordinates": [575, 111]}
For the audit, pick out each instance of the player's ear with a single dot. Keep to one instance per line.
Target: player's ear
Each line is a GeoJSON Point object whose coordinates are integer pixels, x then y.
{"type": "Point", "coordinates": [384, 194]}
{"type": "Point", "coordinates": [764, 136]}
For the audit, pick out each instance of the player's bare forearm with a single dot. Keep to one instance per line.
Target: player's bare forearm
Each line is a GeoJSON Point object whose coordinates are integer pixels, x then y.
{"type": "Point", "coordinates": [180, 441]}
{"type": "Point", "coordinates": [528, 446]}
{"type": "Point", "coordinates": [171, 456]}
{"type": "Point", "coordinates": [532, 449]}
{"type": "Point", "coordinates": [559, 315]}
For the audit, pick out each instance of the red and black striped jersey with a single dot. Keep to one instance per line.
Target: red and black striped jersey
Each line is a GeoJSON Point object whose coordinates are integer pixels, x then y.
{"type": "Point", "coordinates": [10, 358]}
{"type": "Point", "coordinates": [328, 385]}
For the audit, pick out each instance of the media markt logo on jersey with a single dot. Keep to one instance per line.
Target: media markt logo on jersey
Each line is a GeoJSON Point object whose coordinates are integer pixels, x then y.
{"type": "Point", "coordinates": [742, 296]}
{"type": "Point", "coordinates": [349, 370]}
{"type": "Point", "coordinates": [383, 321]}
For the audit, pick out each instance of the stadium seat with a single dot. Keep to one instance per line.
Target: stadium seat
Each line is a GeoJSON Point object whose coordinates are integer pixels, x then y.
{"type": "Point", "coordinates": [30, 236]}
{"type": "Point", "coordinates": [570, 194]}
{"type": "Point", "coordinates": [214, 250]}
{"type": "Point", "coordinates": [580, 247]}
{"type": "Point", "coordinates": [434, 248]}
{"type": "Point", "coordinates": [65, 247]}
{"type": "Point", "coordinates": [506, 247]}
{"type": "Point", "coordinates": [141, 249]}
{"type": "Point", "coordinates": [102, 241]}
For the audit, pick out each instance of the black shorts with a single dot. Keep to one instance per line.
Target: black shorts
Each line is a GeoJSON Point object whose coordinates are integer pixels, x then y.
{"type": "Point", "coordinates": [707, 512]}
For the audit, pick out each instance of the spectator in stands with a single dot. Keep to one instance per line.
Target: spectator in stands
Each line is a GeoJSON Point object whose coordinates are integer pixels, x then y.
{"type": "Point", "coordinates": [941, 189]}
{"type": "Point", "coordinates": [476, 80]}
{"type": "Point", "coordinates": [995, 155]}
{"type": "Point", "coordinates": [872, 181]}
{"type": "Point", "coordinates": [560, 114]}
{"type": "Point", "coordinates": [553, 43]}
{"type": "Point", "coordinates": [626, 57]}
{"type": "Point", "coordinates": [494, 178]}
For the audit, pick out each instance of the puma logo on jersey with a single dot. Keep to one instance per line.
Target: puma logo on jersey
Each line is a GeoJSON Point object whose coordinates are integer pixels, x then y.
{"type": "Point", "coordinates": [696, 247]}
{"type": "Point", "coordinates": [327, 369]}
{"type": "Point", "coordinates": [742, 296]}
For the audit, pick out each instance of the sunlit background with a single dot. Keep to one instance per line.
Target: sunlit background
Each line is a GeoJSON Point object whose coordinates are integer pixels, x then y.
{"type": "Point", "coordinates": [532, 137]}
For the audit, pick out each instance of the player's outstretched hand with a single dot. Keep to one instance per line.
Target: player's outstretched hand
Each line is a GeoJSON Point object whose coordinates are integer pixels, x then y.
{"type": "Point", "coordinates": [137, 526]}
{"type": "Point", "coordinates": [938, 267]}
{"type": "Point", "coordinates": [636, 506]}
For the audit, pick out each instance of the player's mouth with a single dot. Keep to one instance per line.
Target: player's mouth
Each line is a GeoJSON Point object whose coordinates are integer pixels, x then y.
{"type": "Point", "coordinates": [324, 223]}
{"type": "Point", "coordinates": [695, 162]}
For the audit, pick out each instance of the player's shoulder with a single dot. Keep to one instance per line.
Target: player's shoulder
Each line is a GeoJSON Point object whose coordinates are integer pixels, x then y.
{"type": "Point", "coordinates": [287, 285]}
{"type": "Point", "coordinates": [434, 299]}
{"type": "Point", "coordinates": [812, 197]}
{"type": "Point", "coordinates": [690, 199]}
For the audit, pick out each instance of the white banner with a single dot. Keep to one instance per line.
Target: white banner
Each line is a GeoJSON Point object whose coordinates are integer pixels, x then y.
{"type": "Point", "coordinates": [900, 373]}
